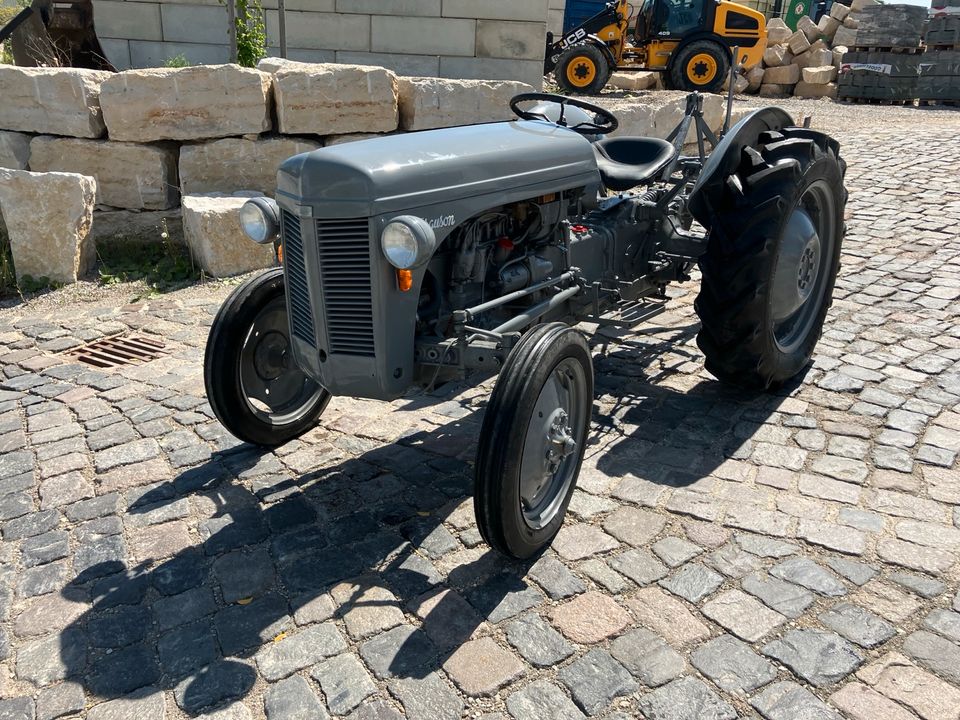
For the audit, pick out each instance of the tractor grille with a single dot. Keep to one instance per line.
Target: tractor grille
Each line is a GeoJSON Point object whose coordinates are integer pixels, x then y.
{"type": "Point", "coordinates": [344, 247]}
{"type": "Point", "coordinates": [301, 317]}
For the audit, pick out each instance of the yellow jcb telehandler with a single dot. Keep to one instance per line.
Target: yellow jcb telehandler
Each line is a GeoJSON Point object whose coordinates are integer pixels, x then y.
{"type": "Point", "coordinates": [690, 41]}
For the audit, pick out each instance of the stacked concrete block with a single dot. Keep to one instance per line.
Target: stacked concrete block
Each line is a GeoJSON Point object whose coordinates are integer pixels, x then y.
{"type": "Point", "coordinates": [427, 103]}
{"type": "Point", "coordinates": [940, 76]}
{"type": "Point", "coordinates": [879, 75]}
{"type": "Point", "coordinates": [893, 26]}
{"type": "Point", "coordinates": [943, 30]}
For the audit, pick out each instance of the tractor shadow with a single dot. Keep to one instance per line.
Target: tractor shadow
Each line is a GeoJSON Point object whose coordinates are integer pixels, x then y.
{"type": "Point", "coordinates": [369, 528]}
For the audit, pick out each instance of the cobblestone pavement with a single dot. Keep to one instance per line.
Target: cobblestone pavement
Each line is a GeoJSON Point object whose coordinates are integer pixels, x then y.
{"type": "Point", "coordinates": [785, 556]}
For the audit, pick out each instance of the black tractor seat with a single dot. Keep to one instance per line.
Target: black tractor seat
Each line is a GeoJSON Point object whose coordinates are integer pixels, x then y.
{"type": "Point", "coordinates": [626, 162]}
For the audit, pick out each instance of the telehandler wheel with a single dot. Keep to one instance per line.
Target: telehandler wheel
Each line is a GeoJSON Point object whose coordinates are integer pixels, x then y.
{"type": "Point", "coordinates": [772, 259]}
{"type": "Point", "coordinates": [702, 65]}
{"type": "Point", "coordinates": [532, 440]}
{"type": "Point", "coordinates": [582, 70]}
{"type": "Point", "coordinates": [254, 387]}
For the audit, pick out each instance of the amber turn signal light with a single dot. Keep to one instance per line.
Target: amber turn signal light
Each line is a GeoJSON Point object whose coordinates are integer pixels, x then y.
{"type": "Point", "coordinates": [404, 280]}
{"type": "Point", "coordinates": [280, 254]}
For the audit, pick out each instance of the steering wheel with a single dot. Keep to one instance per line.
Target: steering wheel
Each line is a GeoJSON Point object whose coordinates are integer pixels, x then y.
{"type": "Point", "coordinates": [604, 121]}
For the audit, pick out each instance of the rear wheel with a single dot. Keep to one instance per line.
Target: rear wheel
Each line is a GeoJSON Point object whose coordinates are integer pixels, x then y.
{"type": "Point", "coordinates": [532, 440]}
{"type": "Point", "coordinates": [772, 259]}
{"type": "Point", "coordinates": [255, 388]}
{"type": "Point", "coordinates": [702, 65]}
{"type": "Point", "coordinates": [582, 70]}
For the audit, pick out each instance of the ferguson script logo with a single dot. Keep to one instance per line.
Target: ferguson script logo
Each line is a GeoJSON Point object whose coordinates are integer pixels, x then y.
{"type": "Point", "coordinates": [444, 221]}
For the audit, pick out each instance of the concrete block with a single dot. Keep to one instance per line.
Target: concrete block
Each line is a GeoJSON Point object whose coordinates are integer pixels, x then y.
{"type": "Point", "coordinates": [819, 75]}
{"type": "Point", "coordinates": [211, 228]}
{"type": "Point", "coordinates": [14, 150]}
{"type": "Point", "coordinates": [117, 52]}
{"type": "Point", "coordinates": [514, 40]}
{"type": "Point", "coordinates": [330, 99]}
{"type": "Point", "coordinates": [798, 43]}
{"type": "Point", "coordinates": [390, 7]}
{"type": "Point", "coordinates": [147, 54]}
{"type": "Point", "coordinates": [809, 90]}
{"type": "Point", "coordinates": [433, 102]}
{"type": "Point", "coordinates": [194, 23]}
{"type": "Point", "coordinates": [192, 103]}
{"type": "Point", "coordinates": [322, 31]}
{"type": "Point", "coordinates": [786, 75]}
{"type": "Point", "coordinates": [234, 164]}
{"type": "Point", "coordinates": [58, 101]}
{"type": "Point", "coordinates": [533, 10]}
{"type": "Point", "coordinates": [754, 79]}
{"type": "Point", "coordinates": [48, 218]}
{"type": "Point", "coordinates": [410, 65]}
{"type": "Point", "coordinates": [839, 11]}
{"type": "Point", "coordinates": [555, 21]}
{"type": "Point", "coordinates": [525, 71]}
{"type": "Point", "coordinates": [128, 175]}
{"type": "Point", "coordinates": [421, 36]}
{"type": "Point", "coordinates": [128, 20]}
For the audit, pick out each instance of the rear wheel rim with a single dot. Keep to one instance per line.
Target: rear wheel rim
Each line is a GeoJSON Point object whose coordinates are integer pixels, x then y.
{"type": "Point", "coordinates": [581, 71]}
{"type": "Point", "coordinates": [553, 444]}
{"type": "Point", "coordinates": [702, 68]}
{"type": "Point", "coordinates": [273, 387]}
{"type": "Point", "coordinates": [802, 268]}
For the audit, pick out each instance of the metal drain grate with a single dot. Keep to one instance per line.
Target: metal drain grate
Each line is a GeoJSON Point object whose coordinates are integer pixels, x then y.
{"type": "Point", "coordinates": [119, 350]}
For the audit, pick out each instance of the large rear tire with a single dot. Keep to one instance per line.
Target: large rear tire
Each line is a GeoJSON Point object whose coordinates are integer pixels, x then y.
{"type": "Point", "coordinates": [582, 70]}
{"type": "Point", "coordinates": [702, 65]}
{"type": "Point", "coordinates": [253, 385]}
{"type": "Point", "coordinates": [532, 440]}
{"type": "Point", "coordinates": [772, 259]}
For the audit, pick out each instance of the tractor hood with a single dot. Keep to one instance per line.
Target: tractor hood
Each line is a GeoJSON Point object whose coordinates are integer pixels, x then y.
{"type": "Point", "coordinates": [396, 172]}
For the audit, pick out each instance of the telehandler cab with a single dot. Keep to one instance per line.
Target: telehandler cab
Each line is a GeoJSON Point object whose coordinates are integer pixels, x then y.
{"type": "Point", "coordinates": [689, 41]}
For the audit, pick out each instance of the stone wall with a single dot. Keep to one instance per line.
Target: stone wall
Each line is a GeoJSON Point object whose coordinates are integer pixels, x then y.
{"type": "Point", "coordinates": [485, 39]}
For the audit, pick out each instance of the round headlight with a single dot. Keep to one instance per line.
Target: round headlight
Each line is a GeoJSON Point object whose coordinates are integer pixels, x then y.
{"type": "Point", "coordinates": [259, 220]}
{"type": "Point", "coordinates": [408, 241]}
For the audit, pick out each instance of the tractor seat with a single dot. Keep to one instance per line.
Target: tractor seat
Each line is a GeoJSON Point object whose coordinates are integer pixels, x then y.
{"type": "Point", "coordinates": [626, 162]}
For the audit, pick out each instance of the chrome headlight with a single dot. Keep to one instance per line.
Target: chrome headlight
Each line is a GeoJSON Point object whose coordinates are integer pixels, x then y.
{"type": "Point", "coordinates": [260, 220]}
{"type": "Point", "coordinates": [408, 241]}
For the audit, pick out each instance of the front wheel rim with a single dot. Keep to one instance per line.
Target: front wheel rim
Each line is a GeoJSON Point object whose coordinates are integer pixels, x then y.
{"type": "Point", "coordinates": [702, 68]}
{"type": "Point", "coordinates": [272, 386]}
{"type": "Point", "coordinates": [553, 444]}
{"type": "Point", "coordinates": [802, 269]}
{"type": "Point", "coordinates": [581, 71]}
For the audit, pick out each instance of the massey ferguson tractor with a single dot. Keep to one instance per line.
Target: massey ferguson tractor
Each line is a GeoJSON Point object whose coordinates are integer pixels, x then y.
{"type": "Point", "coordinates": [416, 259]}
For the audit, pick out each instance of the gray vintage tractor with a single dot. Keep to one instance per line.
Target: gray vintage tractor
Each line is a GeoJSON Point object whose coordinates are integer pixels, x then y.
{"type": "Point", "coordinates": [415, 259]}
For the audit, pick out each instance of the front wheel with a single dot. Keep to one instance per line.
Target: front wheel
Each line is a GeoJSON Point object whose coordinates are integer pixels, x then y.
{"type": "Point", "coordinates": [772, 259]}
{"type": "Point", "coordinates": [582, 70]}
{"type": "Point", "coordinates": [532, 440]}
{"type": "Point", "coordinates": [702, 65]}
{"type": "Point", "coordinates": [253, 384]}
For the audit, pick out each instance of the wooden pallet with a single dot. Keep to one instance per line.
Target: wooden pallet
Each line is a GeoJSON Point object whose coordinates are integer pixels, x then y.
{"type": "Point", "coordinates": [877, 101]}
{"type": "Point", "coordinates": [880, 48]}
{"type": "Point", "coordinates": [945, 46]}
{"type": "Point", "coordinates": [940, 103]}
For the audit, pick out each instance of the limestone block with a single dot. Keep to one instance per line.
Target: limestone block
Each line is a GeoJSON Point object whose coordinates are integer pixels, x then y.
{"type": "Point", "coordinates": [48, 218]}
{"type": "Point", "coordinates": [129, 175]}
{"type": "Point", "coordinates": [777, 31]}
{"type": "Point", "coordinates": [352, 137]}
{"type": "Point", "coordinates": [755, 79]}
{"type": "Point", "coordinates": [636, 119]}
{"type": "Point", "coordinates": [276, 64]}
{"type": "Point", "coordinates": [668, 115]}
{"type": "Point", "coordinates": [772, 90]}
{"type": "Point", "coordinates": [809, 90]}
{"type": "Point", "coordinates": [813, 58]}
{"type": "Point", "coordinates": [819, 75]}
{"type": "Point", "coordinates": [858, 5]}
{"type": "Point", "coordinates": [14, 150]}
{"type": "Point", "coordinates": [798, 43]}
{"type": "Point", "coordinates": [777, 55]}
{"type": "Point", "coordinates": [839, 11]}
{"type": "Point", "coordinates": [472, 68]}
{"type": "Point", "coordinates": [838, 52]}
{"type": "Point", "coordinates": [232, 164]}
{"type": "Point", "coordinates": [808, 27]}
{"type": "Point", "coordinates": [786, 75]}
{"type": "Point", "coordinates": [58, 101]}
{"type": "Point", "coordinates": [515, 40]}
{"type": "Point", "coordinates": [191, 103]}
{"type": "Point", "coordinates": [828, 26]}
{"type": "Point", "coordinates": [435, 102]}
{"type": "Point", "coordinates": [738, 114]}
{"type": "Point", "coordinates": [633, 80]}
{"type": "Point", "coordinates": [330, 99]}
{"type": "Point", "coordinates": [851, 22]}
{"type": "Point", "coordinates": [845, 36]}
{"type": "Point", "coordinates": [211, 228]}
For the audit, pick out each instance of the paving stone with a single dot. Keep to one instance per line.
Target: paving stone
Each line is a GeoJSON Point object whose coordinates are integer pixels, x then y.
{"type": "Point", "coordinates": [789, 701]}
{"type": "Point", "coordinates": [555, 578]}
{"type": "Point", "coordinates": [67, 698]}
{"type": "Point", "coordinates": [540, 699]}
{"type": "Point", "coordinates": [595, 680]}
{"type": "Point", "coordinates": [915, 557]}
{"type": "Point", "coordinates": [240, 627]}
{"type": "Point", "coordinates": [448, 619]}
{"type": "Point", "coordinates": [20, 708]}
{"type": "Point", "coordinates": [298, 650]}
{"type": "Point", "coordinates": [27, 526]}
{"type": "Point", "coordinates": [675, 551]}
{"type": "Point", "coordinates": [399, 652]}
{"type": "Point", "coordinates": [668, 617]}
{"type": "Point", "coordinates": [45, 548]}
{"type": "Point", "coordinates": [732, 561]}
{"type": "Point", "coordinates": [921, 585]}
{"type": "Point", "coordinates": [502, 597]}
{"type": "Point", "coordinates": [427, 698]}
{"type": "Point", "coordinates": [605, 576]}
{"type": "Point", "coordinates": [732, 665]}
{"type": "Point", "coordinates": [806, 573]}
{"type": "Point", "coordinates": [590, 618]}
{"type": "Point", "coordinates": [538, 643]}
{"type": "Point", "coordinates": [857, 625]}
{"type": "Point", "coordinates": [648, 657]}
{"type": "Point", "coordinates": [860, 702]}
{"type": "Point", "coordinates": [481, 667]}
{"type": "Point", "coordinates": [215, 684]}
{"type": "Point", "coordinates": [575, 542]}
{"type": "Point", "coordinates": [856, 572]}
{"type": "Point", "coordinates": [821, 658]}
{"type": "Point", "coordinates": [685, 698]}
{"type": "Point", "coordinates": [124, 670]}
{"type": "Point", "coordinates": [293, 699]}
{"type": "Point", "coordinates": [123, 626]}
{"type": "Point", "coordinates": [43, 579]}
{"type": "Point", "coordinates": [693, 582]}
{"type": "Point", "coordinates": [344, 681]}
{"type": "Point", "coordinates": [895, 677]}
{"type": "Point", "coordinates": [765, 547]}
{"type": "Point", "coordinates": [833, 537]}
{"type": "Point", "coordinates": [839, 468]}
{"type": "Point", "coordinates": [51, 658]}
{"type": "Point", "coordinates": [742, 615]}
{"type": "Point", "coordinates": [366, 609]}
{"type": "Point", "coordinates": [187, 648]}
{"type": "Point", "coordinates": [634, 526]}
{"type": "Point", "coordinates": [377, 709]}
{"type": "Point", "coordinates": [639, 565]}
{"type": "Point", "coordinates": [786, 598]}
{"type": "Point", "coordinates": [143, 704]}
{"type": "Point", "coordinates": [935, 653]}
